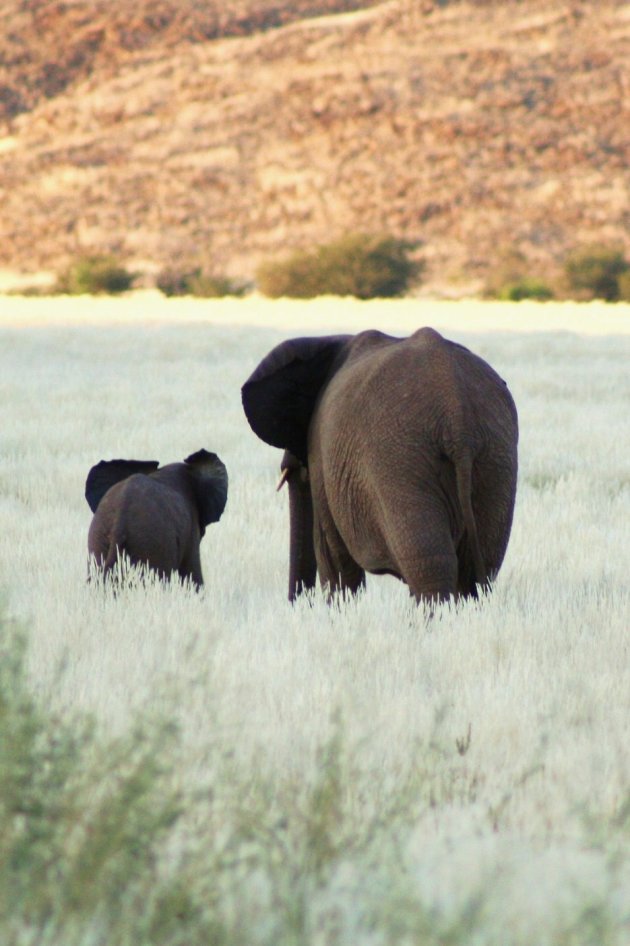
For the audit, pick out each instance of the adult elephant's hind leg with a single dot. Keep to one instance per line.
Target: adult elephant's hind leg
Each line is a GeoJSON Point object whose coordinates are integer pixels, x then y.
{"type": "Point", "coordinates": [423, 550]}
{"type": "Point", "coordinates": [338, 571]}
{"type": "Point", "coordinates": [433, 578]}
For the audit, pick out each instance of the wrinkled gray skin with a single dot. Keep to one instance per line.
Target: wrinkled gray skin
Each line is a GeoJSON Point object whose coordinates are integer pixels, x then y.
{"type": "Point", "coordinates": [157, 516]}
{"type": "Point", "coordinates": [400, 455]}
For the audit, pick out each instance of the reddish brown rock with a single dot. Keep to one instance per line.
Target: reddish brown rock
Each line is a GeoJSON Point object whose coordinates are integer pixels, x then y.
{"type": "Point", "coordinates": [175, 131]}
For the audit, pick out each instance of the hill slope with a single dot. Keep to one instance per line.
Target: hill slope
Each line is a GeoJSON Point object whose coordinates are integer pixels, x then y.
{"type": "Point", "coordinates": [467, 126]}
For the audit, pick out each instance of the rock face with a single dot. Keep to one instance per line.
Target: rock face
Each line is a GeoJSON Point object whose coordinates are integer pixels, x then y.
{"type": "Point", "coordinates": [171, 132]}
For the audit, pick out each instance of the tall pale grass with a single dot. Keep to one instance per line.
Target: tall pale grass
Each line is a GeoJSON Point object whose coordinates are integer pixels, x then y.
{"type": "Point", "coordinates": [226, 768]}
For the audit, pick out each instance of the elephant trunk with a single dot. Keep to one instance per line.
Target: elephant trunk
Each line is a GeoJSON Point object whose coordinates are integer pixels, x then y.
{"type": "Point", "coordinates": [302, 565]}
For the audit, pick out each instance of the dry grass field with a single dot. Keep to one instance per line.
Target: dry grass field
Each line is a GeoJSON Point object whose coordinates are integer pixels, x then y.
{"type": "Point", "coordinates": [224, 768]}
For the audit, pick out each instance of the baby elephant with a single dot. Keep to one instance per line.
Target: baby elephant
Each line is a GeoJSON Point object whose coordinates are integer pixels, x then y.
{"type": "Point", "coordinates": [156, 515]}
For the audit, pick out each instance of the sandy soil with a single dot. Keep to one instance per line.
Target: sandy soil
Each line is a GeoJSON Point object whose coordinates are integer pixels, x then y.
{"type": "Point", "coordinates": [321, 315]}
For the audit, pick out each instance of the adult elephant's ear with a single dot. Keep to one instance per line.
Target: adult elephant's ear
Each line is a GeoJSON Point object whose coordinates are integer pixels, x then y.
{"type": "Point", "coordinates": [210, 484]}
{"type": "Point", "coordinates": [280, 395]}
{"type": "Point", "coordinates": [109, 472]}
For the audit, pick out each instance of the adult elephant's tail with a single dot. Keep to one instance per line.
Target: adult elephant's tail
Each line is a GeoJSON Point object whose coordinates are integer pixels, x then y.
{"type": "Point", "coordinates": [463, 473]}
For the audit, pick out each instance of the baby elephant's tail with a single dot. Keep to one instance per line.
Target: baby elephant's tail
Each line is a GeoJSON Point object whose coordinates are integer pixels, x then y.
{"type": "Point", "coordinates": [114, 550]}
{"type": "Point", "coordinates": [113, 555]}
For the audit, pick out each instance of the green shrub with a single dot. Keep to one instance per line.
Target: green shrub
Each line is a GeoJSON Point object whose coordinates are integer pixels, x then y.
{"type": "Point", "coordinates": [509, 278]}
{"type": "Point", "coordinates": [83, 819]}
{"type": "Point", "coordinates": [509, 267]}
{"type": "Point", "coordinates": [526, 288]}
{"type": "Point", "coordinates": [173, 282]}
{"type": "Point", "coordinates": [197, 282]}
{"type": "Point", "coordinates": [357, 265]}
{"type": "Point", "coordinates": [207, 286]}
{"type": "Point", "coordinates": [594, 271]}
{"type": "Point", "coordinates": [624, 286]}
{"type": "Point", "coordinates": [31, 291]}
{"type": "Point", "coordinates": [94, 275]}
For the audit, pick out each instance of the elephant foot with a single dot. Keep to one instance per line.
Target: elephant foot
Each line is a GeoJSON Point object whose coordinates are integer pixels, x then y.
{"type": "Point", "coordinates": [433, 580]}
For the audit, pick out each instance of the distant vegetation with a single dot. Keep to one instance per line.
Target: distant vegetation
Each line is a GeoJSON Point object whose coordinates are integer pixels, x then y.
{"type": "Point", "coordinates": [198, 282]}
{"type": "Point", "coordinates": [94, 275]}
{"type": "Point", "coordinates": [526, 288]}
{"type": "Point", "coordinates": [510, 279]}
{"type": "Point", "coordinates": [589, 272]}
{"type": "Point", "coordinates": [623, 282]}
{"type": "Point", "coordinates": [358, 265]}
{"type": "Point", "coordinates": [363, 266]}
{"type": "Point", "coordinates": [598, 272]}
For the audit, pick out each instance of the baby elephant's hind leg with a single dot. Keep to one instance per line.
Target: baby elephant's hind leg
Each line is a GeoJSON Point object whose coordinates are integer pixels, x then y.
{"type": "Point", "coordinates": [190, 567]}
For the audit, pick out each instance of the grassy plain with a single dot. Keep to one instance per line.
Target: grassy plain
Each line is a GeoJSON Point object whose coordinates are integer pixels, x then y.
{"type": "Point", "coordinates": [223, 768]}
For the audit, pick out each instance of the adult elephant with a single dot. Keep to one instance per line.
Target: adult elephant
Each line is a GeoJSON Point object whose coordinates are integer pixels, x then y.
{"type": "Point", "coordinates": [156, 515]}
{"type": "Point", "coordinates": [401, 459]}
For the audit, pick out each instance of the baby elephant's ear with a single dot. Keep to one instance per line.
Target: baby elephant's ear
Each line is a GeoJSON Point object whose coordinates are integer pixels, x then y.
{"type": "Point", "coordinates": [108, 472]}
{"type": "Point", "coordinates": [210, 482]}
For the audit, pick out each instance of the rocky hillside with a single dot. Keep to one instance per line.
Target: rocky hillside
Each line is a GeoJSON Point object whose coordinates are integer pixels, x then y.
{"type": "Point", "coordinates": [172, 132]}
{"type": "Point", "coordinates": [49, 46]}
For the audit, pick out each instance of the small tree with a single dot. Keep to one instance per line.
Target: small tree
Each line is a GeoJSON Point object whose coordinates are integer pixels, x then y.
{"type": "Point", "coordinates": [624, 286]}
{"type": "Point", "coordinates": [173, 282]}
{"type": "Point", "coordinates": [509, 266]}
{"type": "Point", "coordinates": [357, 265]}
{"type": "Point", "coordinates": [594, 271]}
{"type": "Point", "coordinates": [197, 282]}
{"type": "Point", "coordinates": [510, 278]}
{"type": "Point", "coordinates": [526, 288]}
{"type": "Point", "coordinates": [94, 275]}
